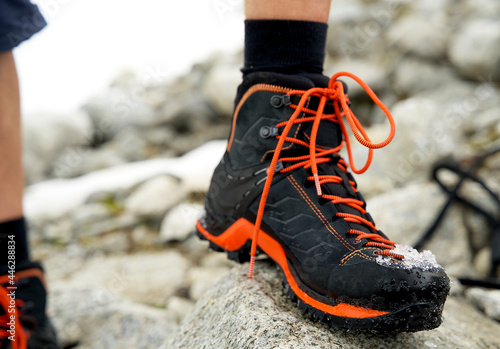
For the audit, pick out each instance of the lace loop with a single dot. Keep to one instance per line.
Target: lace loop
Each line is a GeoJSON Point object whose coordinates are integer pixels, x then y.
{"type": "Point", "coordinates": [335, 93]}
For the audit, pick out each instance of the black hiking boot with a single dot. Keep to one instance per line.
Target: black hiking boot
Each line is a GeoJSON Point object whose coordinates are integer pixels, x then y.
{"type": "Point", "coordinates": [282, 189]}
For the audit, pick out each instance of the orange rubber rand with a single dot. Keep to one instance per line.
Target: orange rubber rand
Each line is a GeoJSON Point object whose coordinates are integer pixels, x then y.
{"type": "Point", "coordinates": [241, 231]}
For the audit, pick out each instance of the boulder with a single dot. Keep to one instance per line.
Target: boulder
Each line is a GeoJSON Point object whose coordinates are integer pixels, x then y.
{"type": "Point", "coordinates": [155, 197]}
{"type": "Point", "coordinates": [423, 36]}
{"type": "Point", "coordinates": [355, 29]}
{"type": "Point", "coordinates": [118, 108]}
{"type": "Point", "coordinates": [221, 83]}
{"type": "Point", "coordinates": [486, 300]}
{"type": "Point", "coordinates": [241, 313]}
{"type": "Point", "coordinates": [96, 318]}
{"type": "Point", "coordinates": [474, 49]}
{"type": "Point", "coordinates": [74, 161]}
{"type": "Point", "coordinates": [483, 8]}
{"type": "Point", "coordinates": [147, 278]}
{"type": "Point", "coordinates": [180, 222]}
{"type": "Point", "coordinates": [404, 214]}
{"type": "Point", "coordinates": [47, 135]}
{"type": "Point", "coordinates": [414, 75]}
{"type": "Point", "coordinates": [372, 71]}
{"type": "Point", "coordinates": [422, 138]}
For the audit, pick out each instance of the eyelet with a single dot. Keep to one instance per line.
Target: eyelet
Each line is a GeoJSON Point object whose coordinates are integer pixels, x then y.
{"type": "Point", "coordinates": [268, 131]}
{"type": "Point", "coordinates": [276, 101]}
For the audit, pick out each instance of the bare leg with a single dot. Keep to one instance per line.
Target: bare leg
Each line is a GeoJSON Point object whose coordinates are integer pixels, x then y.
{"type": "Point", "coordinates": [301, 10]}
{"type": "Point", "coordinates": [11, 172]}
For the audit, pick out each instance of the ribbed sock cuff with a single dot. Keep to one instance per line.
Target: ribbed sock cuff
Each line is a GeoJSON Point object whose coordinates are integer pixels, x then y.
{"type": "Point", "coordinates": [14, 230]}
{"type": "Point", "coordinates": [284, 46]}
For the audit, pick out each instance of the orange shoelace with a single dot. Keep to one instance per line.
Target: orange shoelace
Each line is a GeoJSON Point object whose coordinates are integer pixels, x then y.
{"type": "Point", "coordinates": [334, 93]}
{"type": "Point", "coordinates": [20, 337]}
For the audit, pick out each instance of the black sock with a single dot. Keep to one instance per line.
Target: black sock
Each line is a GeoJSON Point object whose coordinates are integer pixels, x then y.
{"type": "Point", "coordinates": [14, 230]}
{"type": "Point", "coordinates": [283, 46]}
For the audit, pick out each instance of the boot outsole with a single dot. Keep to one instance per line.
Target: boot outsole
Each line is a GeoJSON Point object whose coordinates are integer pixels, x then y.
{"type": "Point", "coordinates": [411, 317]}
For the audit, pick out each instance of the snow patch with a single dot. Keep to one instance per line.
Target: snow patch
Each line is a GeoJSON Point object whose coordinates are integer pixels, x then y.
{"type": "Point", "coordinates": [55, 198]}
{"type": "Point", "coordinates": [412, 259]}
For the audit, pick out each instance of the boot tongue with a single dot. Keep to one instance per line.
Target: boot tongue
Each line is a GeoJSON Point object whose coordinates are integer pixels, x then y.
{"type": "Point", "coordinates": [329, 134]}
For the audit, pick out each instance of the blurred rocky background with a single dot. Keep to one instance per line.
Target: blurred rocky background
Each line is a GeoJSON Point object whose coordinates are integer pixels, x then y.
{"type": "Point", "coordinates": [115, 188]}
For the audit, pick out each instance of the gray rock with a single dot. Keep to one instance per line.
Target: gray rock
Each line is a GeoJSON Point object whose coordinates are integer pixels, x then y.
{"type": "Point", "coordinates": [77, 161]}
{"type": "Point", "coordinates": [422, 138]}
{"type": "Point", "coordinates": [373, 72]}
{"type": "Point", "coordinates": [487, 301]}
{"type": "Point", "coordinates": [457, 289]}
{"type": "Point", "coordinates": [180, 222]}
{"type": "Point", "coordinates": [159, 137]}
{"type": "Point", "coordinates": [373, 184]}
{"type": "Point", "coordinates": [478, 228]}
{"type": "Point", "coordinates": [35, 168]}
{"type": "Point", "coordinates": [182, 143]}
{"type": "Point", "coordinates": [474, 49]}
{"type": "Point", "coordinates": [99, 226]}
{"type": "Point", "coordinates": [180, 307]}
{"type": "Point", "coordinates": [55, 231]}
{"type": "Point", "coordinates": [404, 214]}
{"type": "Point", "coordinates": [456, 93]}
{"type": "Point", "coordinates": [186, 113]}
{"type": "Point", "coordinates": [96, 318]}
{"type": "Point", "coordinates": [91, 213]}
{"type": "Point", "coordinates": [147, 278]}
{"type": "Point", "coordinates": [145, 237]}
{"type": "Point", "coordinates": [492, 164]}
{"type": "Point", "coordinates": [59, 263]}
{"type": "Point", "coordinates": [46, 135]}
{"type": "Point", "coordinates": [100, 159]}
{"type": "Point", "coordinates": [414, 75]}
{"type": "Point", "coordinates": [216, 260]}
{"type": "Point", "coordinates": [194, 248]}
{"type": "Point", "coordinates": [484, 122]}
{"type": "Point", "coordinates": [346, 10]}
{"type": "Point", "coordinates": [113, 242]}
{"type": "Point", "coordinates": [423, 36]}
{"type": "Point", "coordinates": [485, 138]}
{"type": "Point", "coordinates": [355, 29]}
{"type": "Point", "coordinates": [201, 279]}
{"type": "Point", "coordinates": [155, 197]}
{"type": "Point", "coordinates": [182, 98]}
{"type": "Point", "coordinates": [483, 8]}
{"type": "Point", "coordinates": [130, 145]}
{"type": "Point", "coordinates": [113, 198]}
{"type": "Point", "coordinates": [241, 313]}
{"type": "Point", "coordinates": [117, 109]}
{"type": "Point", "coordinates": [432, 7]}
{"type": "Point", "coordinates": [220, 86]}
{"type": "Point", "coordinates": [482, 263]}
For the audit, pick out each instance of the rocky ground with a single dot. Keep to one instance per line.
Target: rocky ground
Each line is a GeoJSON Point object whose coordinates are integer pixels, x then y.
{"type": "Point", "coordinates": [115, 188]}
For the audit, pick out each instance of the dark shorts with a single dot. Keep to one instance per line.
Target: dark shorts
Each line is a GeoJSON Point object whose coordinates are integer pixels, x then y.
{"type": "Point", "coordinates": [19, 20]}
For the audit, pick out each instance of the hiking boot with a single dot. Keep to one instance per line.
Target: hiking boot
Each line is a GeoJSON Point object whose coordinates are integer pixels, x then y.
{"type": "Point", "coordinates": [23, 322]}
{"type": "Point", "coordinates": [282, 189]}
